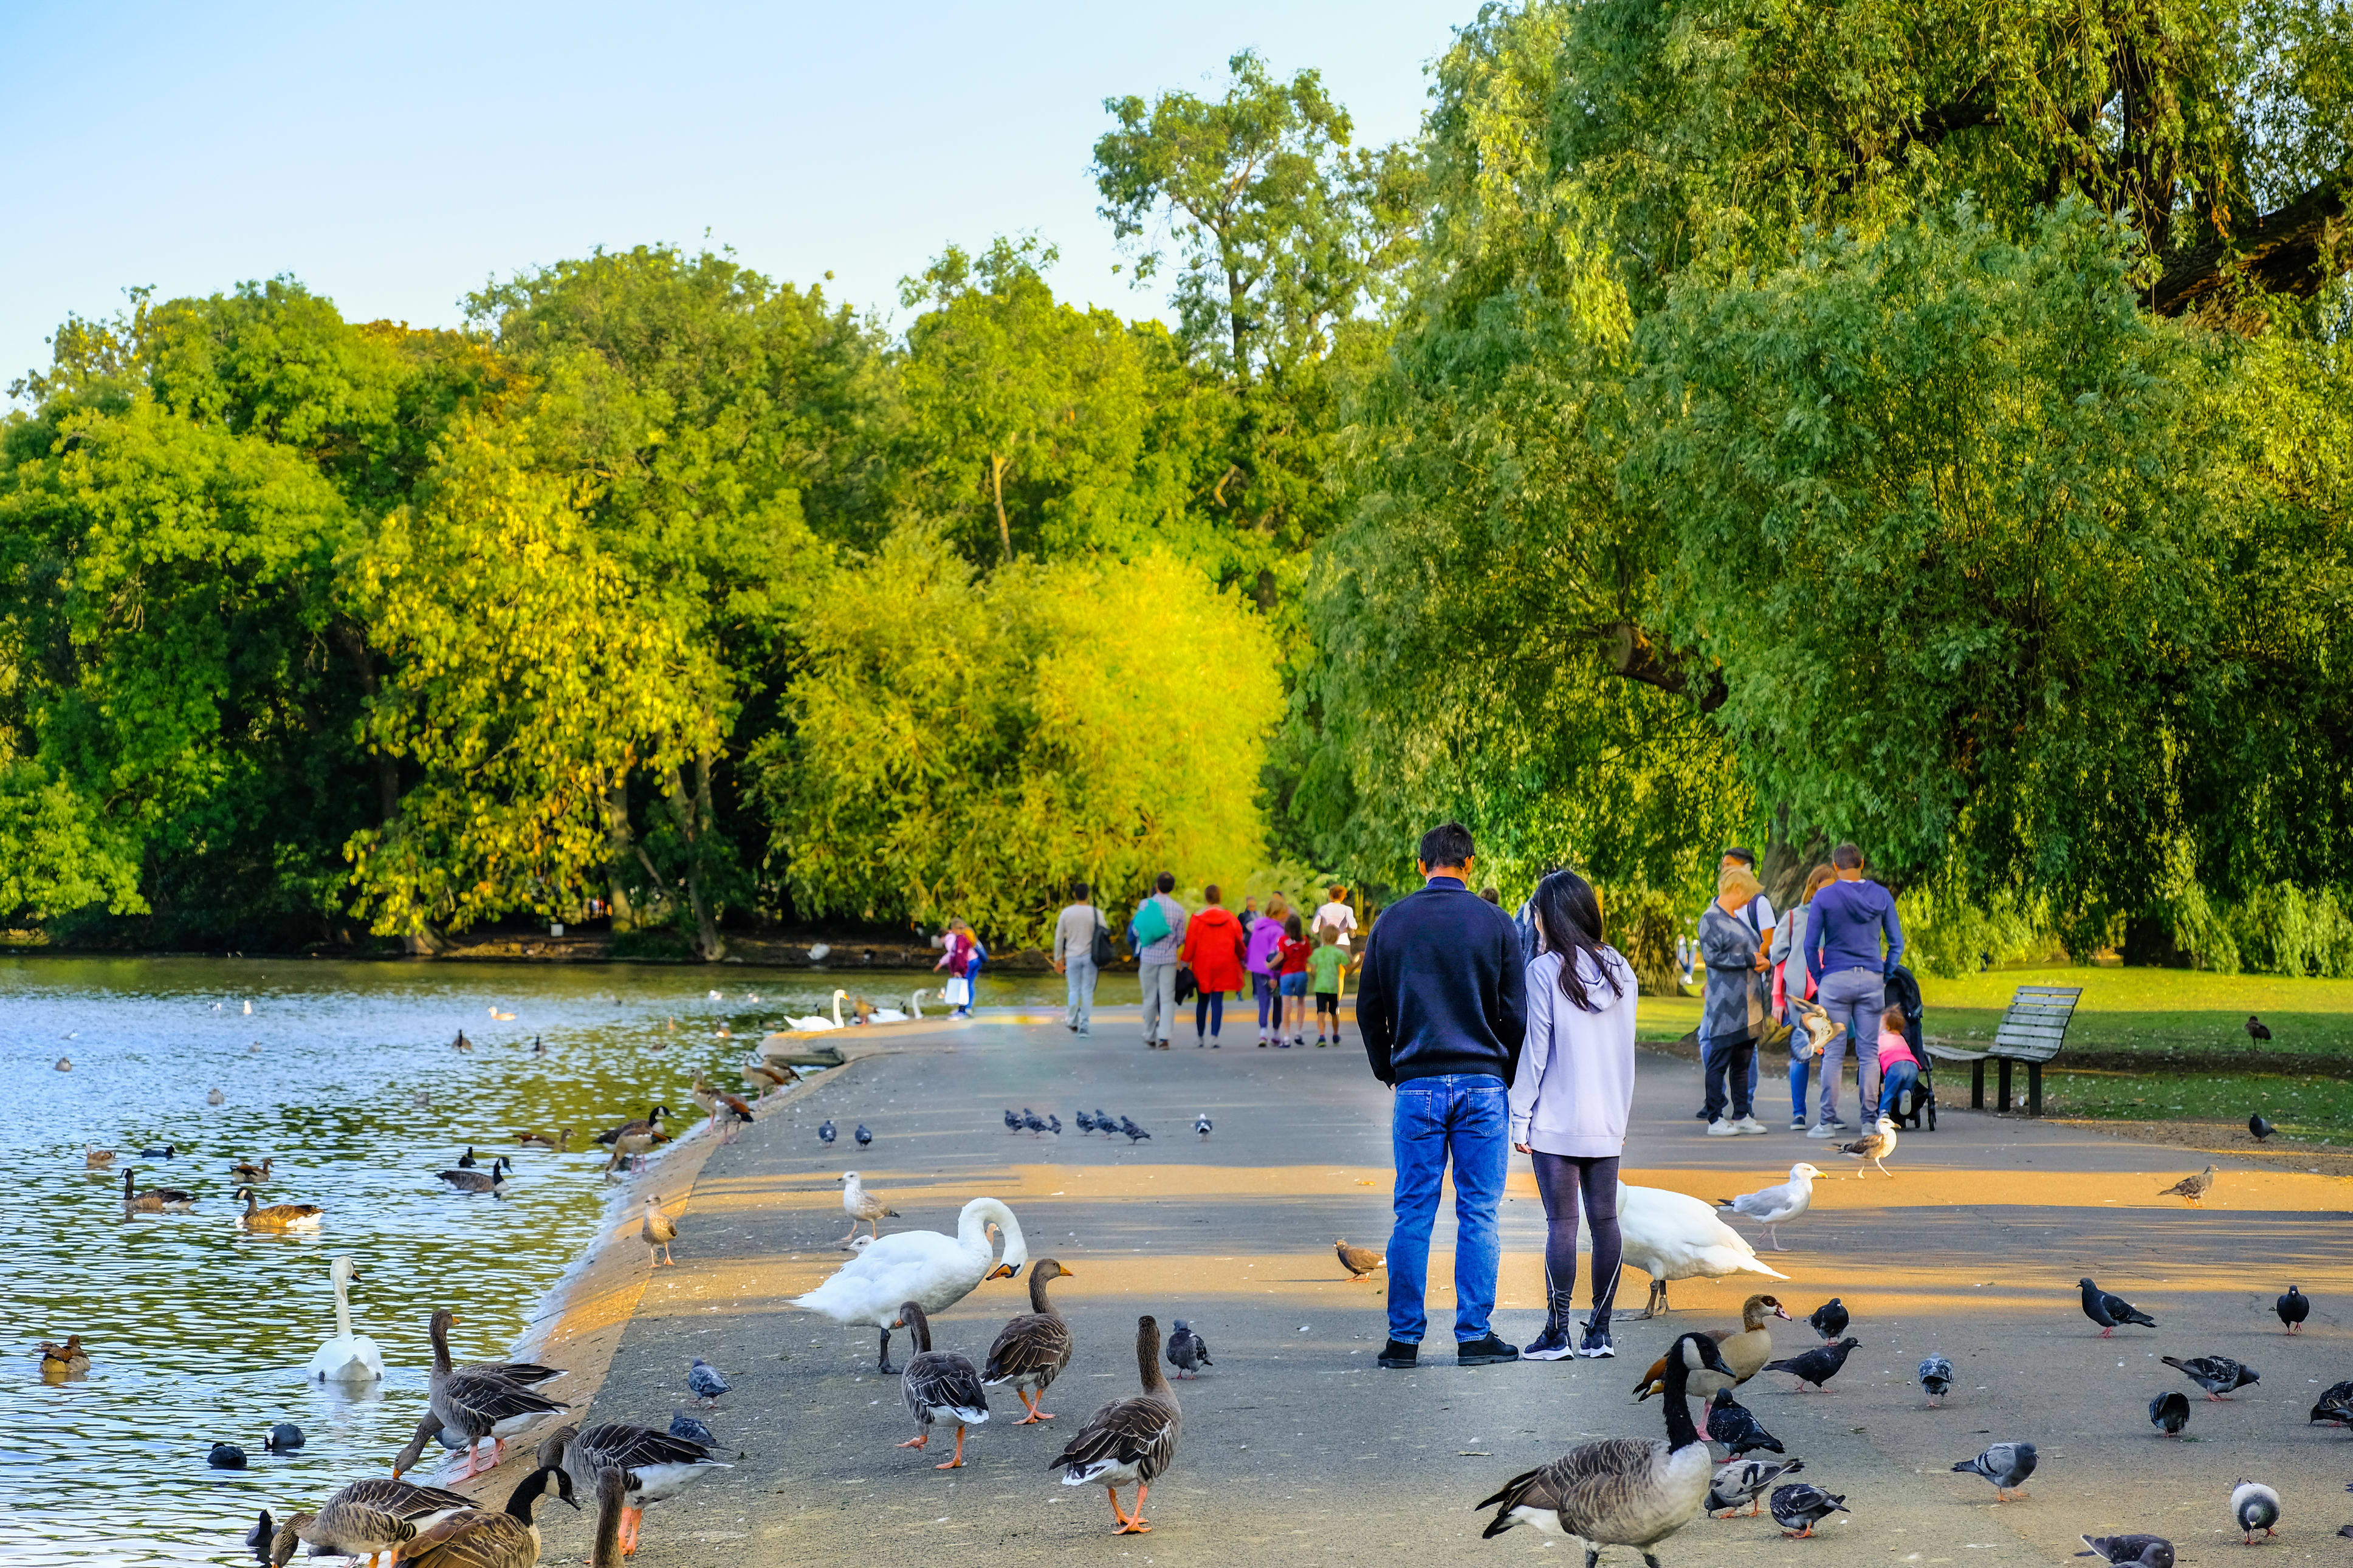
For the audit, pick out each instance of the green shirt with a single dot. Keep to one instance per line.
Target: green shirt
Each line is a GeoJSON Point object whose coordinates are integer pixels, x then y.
{"type": "Point", "coordinates": [1325, 963]}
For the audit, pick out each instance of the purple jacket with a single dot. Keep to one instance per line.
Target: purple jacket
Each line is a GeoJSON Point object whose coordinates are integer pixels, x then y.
{"type": "Point", "coordinates": [1265, 936]}
{"type": "Point", "coordinates": [1844, 931]}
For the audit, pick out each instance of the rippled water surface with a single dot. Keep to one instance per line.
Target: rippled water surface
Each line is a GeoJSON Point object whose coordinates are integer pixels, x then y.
{"type": "Point", "coordinates": [346, 1075]}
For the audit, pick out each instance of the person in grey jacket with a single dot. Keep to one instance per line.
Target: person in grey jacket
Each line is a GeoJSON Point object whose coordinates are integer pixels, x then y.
{"type": "Point", "coordinates": [1730, 948]}
{"type": "Point", "coordinates": [1074, 956]}
{"type": "Point", "coordinates": [1155, 963]}
{"type": "Point", "coordinates": [1790, 943]}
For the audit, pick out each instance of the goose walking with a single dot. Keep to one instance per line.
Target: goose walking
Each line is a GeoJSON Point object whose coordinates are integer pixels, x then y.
{"type": "Point", "coordinates": [347, 1357]}
{"type": "Point", "coordinates": [654, 1466]}
{"type": "Point", "coordinates": [1776, 1205]}
{"type": "Point", "coordinates": [1621, 1492]}
{"type": "Point", "coordinates": [938, 1385]}
{"type": "Point", "coordinates": [932, 1271]}
{"type": "Point", "coordinates": [1129, 1442]}
{"type": "Point", "coordinates": [1032, 1350]}
{"type": "Point", "coordinates": [862, 1207]}
{"type": "Point", "coordinates": [476, 1404]}
{"type": "Point", "coordinates": [1670, 1236]}
{"type": "Point", "coordinates": [154, 1200]}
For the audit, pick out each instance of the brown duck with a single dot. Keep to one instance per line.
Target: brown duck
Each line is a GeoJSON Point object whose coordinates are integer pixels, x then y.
{"type": "Point", "coordinates": [1744, 1349]}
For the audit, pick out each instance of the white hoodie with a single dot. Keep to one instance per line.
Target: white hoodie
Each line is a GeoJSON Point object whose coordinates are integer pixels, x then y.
{"type": "Point", "coordinates": [1574, 1087]}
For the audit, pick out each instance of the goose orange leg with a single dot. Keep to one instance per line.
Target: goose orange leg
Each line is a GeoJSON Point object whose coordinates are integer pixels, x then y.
{"type": "Point", "coordinates": [632, 1520]}
{"type": "Point", "coordinates": [920, 1439]}
{"type": "Point", "coordinates": [957, 1462]}
{"type": "Point", "coordinates": [1136, 1524]}
{"type": "Point", "coordinates": [1035, 1405]}
{"type": "Point", "coordinates": [1127, 1526]}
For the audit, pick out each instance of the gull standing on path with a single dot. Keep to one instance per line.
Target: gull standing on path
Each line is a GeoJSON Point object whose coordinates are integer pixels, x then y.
{"type": "Point", "coordinates": [1774, 1205]}
{"type": "Point", "coordinates": [862, 1207]}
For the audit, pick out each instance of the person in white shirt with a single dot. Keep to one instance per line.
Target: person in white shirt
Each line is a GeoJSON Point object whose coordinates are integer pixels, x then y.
{"type": "Point", "coordinates": [1336, 916]}
{"type": "Point", "coordinates": [1074, 956]}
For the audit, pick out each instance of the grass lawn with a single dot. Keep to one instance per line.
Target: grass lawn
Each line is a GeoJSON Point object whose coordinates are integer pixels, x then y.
{"type": "Point", "coordinates": [2319, 1109]}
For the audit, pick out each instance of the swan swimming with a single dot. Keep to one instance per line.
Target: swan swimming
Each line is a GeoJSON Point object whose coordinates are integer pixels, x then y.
{"type": "Point", "coordinates": [932, 1271]}
{"type": "Point", "coordinates": [819, 1020]}
{"type": "Point", "coordinates": [348, 1357]}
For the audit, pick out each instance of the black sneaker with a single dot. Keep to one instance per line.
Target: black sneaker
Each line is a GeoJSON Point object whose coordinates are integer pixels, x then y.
{"type": "Point", "coordinates": [1397, 1355]}
{"type": "Point", "coordinates": [1550, 1345]}
{"type": "Point", "coordinates": [1484, 1352]}
{"type": "Point", "coordinates": [1595, 1343]}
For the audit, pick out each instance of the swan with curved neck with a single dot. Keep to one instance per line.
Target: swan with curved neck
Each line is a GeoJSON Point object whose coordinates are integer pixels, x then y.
{"type": "Point", "coordinates": [348, 1357]}
{"type": "Point", "coordinates": [933, 1270]}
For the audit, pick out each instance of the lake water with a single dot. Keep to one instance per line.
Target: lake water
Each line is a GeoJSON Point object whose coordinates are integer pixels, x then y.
{"type": "Point", "coordinates": [198, 1331]}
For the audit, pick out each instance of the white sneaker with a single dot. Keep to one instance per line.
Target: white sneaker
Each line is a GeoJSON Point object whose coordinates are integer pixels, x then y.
{"type": "Point", "coordinates": [1749, 1124]}
{"type": "Point", "coordinates": [1719, 1128]}
{"type": "Point", "coordinates": [1823, 1130]}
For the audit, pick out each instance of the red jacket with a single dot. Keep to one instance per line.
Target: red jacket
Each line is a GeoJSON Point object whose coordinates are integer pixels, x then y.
{"type": "Point", "coordinates": [1213, 946]}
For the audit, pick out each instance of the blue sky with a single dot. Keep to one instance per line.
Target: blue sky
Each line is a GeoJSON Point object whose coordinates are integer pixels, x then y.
{"type": "Point", "coordinates": [394, 157]}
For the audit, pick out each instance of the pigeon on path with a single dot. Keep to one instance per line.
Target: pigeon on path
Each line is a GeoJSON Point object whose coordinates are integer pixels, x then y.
{"type": "Point", "coordinates": [2259, 1128]}
{"type": "Point", "coordinates": [2111, 1312]}
{"type": "Point", "coordinates": [1106, 1123]}
{"type": "Point", "coordinates": [2335, 1404]}
{"type": "Point", "coordinates": [825, 1131]}
{"type": "Point", "coordinates": [2125, 1550]}
{"type": "Point", "coordinates": [1201, 1124]}
{"type": "Point", "coordinates": [1086, 1123]}
{"type": "Point", "coordinates": [1937, 1377]}
{"type": "Point", "coordinates": [2292, 1308]}
{"type": "Point", "coordinates": [1033, 1121]}
{"type": "Point", "coordinates": [1358, 1261]}
{"type": "Point", "coordinates": [2190, 1189]}
{"type": "Point", "coordinates": [2170, 1413]}
{"type": "Point", "coordinates": [685, 1426]}
{"type": "Point", "coordinates": [1747, 1481]}
{"type": "Point", "coordinates": [2006, 1464]}
{"type": "Point", "coordinates": [1816, 1366]}
{"type": "Point", "coordinates": [1828, 1320]}
{"type": "Point", "coordinates": [1734, 1425]}
{"type": "Point", "coordinates": [1188, 1352]}
{"type": "Point", "coordinates": [704, 1381]}
{"type": "Point", "coordinates": [1800, 1506]}
{"type": "Point", "coordinates": [2219, 1376]}
{"type": "Point", "coordinates": [863, 1136]}
{"type": "Point", "coordinates": [1013, 1121]}
{"type": "Point", "coordinates": [2255, 1507]}
{"type": "Point", "coordinates": [1134, 1133]}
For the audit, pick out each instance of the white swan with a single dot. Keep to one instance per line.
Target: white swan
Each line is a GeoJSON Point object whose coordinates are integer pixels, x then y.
{"type": "Point", "coordinates": [348, 1357]}
{"type": "Point", "coordinates": [1671, 1237]}
{"type": "Point", "coordinates": [932, 1271]}
{"type": "Point", "coordinates": [819, 1021]}
{"type": "Point", "coordinates": [915, 1005]}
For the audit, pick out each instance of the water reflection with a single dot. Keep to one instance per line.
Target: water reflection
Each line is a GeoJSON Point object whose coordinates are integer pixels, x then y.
{"type": "Point", "coordinates": [198, 1331]}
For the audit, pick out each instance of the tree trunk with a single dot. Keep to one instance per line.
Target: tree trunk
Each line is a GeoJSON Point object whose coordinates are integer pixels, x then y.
{"type": "Point", "coordinates": [997, 489]}
{"type": "Point", "coordinates": [1236, 293]}
{"type": "Point", "coordinates": [694, 812]}
{"type": "Point", "coordinates": [620, 848]}
{"type": "Point", "coordinates": [1787, 860]}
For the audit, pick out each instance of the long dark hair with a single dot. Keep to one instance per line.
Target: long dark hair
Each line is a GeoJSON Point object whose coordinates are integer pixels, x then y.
{"type": "Point", "coordinates": [1569, 916]}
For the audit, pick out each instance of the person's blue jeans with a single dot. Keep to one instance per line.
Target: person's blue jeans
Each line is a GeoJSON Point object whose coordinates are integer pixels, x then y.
{"type": "Point", "coordinates": [1853, 998]}
{"type": "Point", "coordinates": [1711, 1071]}
{"type": "Point", "coordinates": [1900, 1077]}
{"type": "Point", "coordinates": [1263, 988]}
{"type": "Point", "coordinates": [1464, 1118]}
{"type": "Point", "coordinates": [1080, 969]}
{"type": "Point", "coordinates": [1209, 1012]}
{"type": "Point", "coordinates": [1799, 1066]}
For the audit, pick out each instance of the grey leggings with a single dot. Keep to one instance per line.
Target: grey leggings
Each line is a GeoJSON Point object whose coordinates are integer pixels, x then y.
{"type": "Point", "coordinates": [1559, 1177]}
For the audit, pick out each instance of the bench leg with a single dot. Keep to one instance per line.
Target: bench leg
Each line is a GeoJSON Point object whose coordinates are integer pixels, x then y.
{"type": "Point", "coordinates": [1977, 1084]}
{"type": "Point", "coordinates": [2034, 1088]}
{"type": "Point", "coordinates": [2001, 1067]}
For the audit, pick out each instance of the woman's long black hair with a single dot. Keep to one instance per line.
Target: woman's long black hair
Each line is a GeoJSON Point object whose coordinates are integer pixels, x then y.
{"type": "Point", "coordinates": [1570, 917]}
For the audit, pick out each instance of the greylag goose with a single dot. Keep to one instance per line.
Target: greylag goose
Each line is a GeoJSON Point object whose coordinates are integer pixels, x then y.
{"type": "Point", "coordinates": [477, 1539]}
{"type": "Point", "coordinates": [368, 1518]}
{"type": "Point", "coordinates": [1129, 1442]}
{"type": "Point", "coordinates": [155, 1200]}
{"type": "Point", "coordinates": [475, 1404]}
{"type": "Point", "coordinates": [938, 1385]}
{"type": "Point", "coordinates": [654, 1465]}
{"type": "Point", "coordinates": [1034, 1348]}
{"type": "Point", "coordinates": [1622, 1491]}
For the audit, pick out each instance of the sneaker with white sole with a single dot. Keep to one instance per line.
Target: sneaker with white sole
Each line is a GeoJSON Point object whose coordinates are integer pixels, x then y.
{"type": "Point", "coordinates": [1797, 1125]}
{"type": "Point", "coordinates": [1720, 1127]}
{"type": "Point", "coordinates": [1749, 1124]}
{"type": "Point", "coordinates": [1595, 1344]}
{"type": "Point", "coordinates": [1823, 1130]}
{"type": "Point", "coordinates": [1550, 1345]}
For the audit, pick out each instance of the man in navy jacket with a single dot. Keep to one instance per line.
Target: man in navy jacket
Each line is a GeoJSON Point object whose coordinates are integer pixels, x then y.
{"type": "Point", "coordinates": [1442, 1000]}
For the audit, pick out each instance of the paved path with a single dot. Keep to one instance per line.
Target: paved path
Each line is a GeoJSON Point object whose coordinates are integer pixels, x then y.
{"type": "Point", "coordinates": [1298, 1449]}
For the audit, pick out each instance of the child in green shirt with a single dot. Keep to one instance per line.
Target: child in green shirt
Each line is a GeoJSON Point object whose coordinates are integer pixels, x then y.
{"type": "Point", "coordinates": [1327, 962]}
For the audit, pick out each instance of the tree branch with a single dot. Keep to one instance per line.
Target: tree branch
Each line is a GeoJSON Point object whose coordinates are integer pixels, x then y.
{"type": "Point", "coordinates": [1932, 126]}
{"type": "Point", "coordinates": [2289, 251]}
{"type": "Point", "coordinates": [1631, 655]}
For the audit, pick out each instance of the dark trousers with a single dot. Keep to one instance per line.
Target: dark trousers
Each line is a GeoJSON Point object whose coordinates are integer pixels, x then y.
{"type": "Point", "coordinates": [1735, 1060]}
{"type": "Point", "coordinates": [1209, 1012]}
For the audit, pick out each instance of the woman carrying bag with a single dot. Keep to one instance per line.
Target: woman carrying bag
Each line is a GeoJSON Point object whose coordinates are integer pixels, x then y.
{"type": "Point", "coordinates": [1737, 1008]}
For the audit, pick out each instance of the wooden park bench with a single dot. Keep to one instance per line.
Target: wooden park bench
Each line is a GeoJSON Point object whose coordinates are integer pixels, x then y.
{"type": "Point", "coordinates": [2030, 1032]}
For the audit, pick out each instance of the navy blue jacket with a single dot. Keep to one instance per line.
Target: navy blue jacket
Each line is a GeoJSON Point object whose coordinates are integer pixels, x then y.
{"type": "Point", "coordinates": [1443, 988]}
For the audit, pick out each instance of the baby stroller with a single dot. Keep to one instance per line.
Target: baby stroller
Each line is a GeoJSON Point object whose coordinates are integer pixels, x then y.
{"type": "Point", "coordinates": [1903, 991]}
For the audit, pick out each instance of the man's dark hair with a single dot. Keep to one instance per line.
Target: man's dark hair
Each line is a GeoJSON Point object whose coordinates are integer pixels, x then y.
{"type": "Point", "coordinates": [1210, 895]}
{"type": "Point", "coordinates": [1745, 857]}
{"type": "Point", "coordinates": [1164, 883]}
{"type": "Point", "coordinates": [1078, 889]}
{"type": "Point", "coordinates": [1449, 844]}
{"type": "Point", "coordinates": [1847, 858]}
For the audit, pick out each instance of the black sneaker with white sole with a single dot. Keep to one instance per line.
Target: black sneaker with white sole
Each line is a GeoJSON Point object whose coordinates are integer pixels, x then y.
{"type": "Point", "coordinates": [1550, 1345]}
{"type": "Point", "coordinates": [1595, 1343]}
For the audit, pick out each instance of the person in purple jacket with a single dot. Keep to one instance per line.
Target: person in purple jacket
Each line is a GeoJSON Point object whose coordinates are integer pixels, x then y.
{"type": "Point", "coordinates": [1265, 936]}
{"type": "Point", "coordinates": [1851, 919]}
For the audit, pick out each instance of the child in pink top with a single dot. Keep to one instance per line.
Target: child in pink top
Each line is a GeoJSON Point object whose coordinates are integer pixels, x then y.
{"type": "Point", "coordinates": [1899, 1069]}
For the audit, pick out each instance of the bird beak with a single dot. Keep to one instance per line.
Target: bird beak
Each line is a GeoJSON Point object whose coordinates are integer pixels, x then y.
{"type": "Point", "coordinates": [1782, 1312]}
{"type": "Point", "coordinates": [1070, 1274]}
{"type": "Point", "coordinates": [1005, 1271]}
{"type": "Point", "coordinates": [898, 1322]}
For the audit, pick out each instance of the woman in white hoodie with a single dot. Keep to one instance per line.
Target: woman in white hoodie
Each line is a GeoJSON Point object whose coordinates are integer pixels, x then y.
{"type": "Point", "coordinates": [1570, 1100]}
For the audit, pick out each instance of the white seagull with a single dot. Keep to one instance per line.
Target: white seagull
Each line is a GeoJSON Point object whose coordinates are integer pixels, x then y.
{"type": "Point", "coordinates": [1777, 1204]}
{"type": "Point", "coordinates": [1873, 1147]}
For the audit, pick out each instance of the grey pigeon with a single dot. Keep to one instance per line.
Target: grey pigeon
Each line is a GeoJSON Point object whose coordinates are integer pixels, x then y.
{"type": "Point", "coordinates": [2111, 1312]}
{"type": "Point", "coordinates": [863, 1136]}
{"type": "Point", "coordinates": [683, 1425]}
{"type": "Point", "coordinates": [1800, 1506]}
{"type": "Point", "coordinates": [825, 1131]}
{"type": "Point", "coordinates": [2006, 1464]}
{"type": "Point", "coordinates": [284, 1438]}
{"type": "Point", "coordinates": [2255, 1507]}
{"type": "Point", "coordinates": [1054, 1124]}
{"type": "Point", "coordinates": [1106, 1123]}
{"type": "Point", "coordinates": [2170, 1413]}
{"type": "Point", "coordinates": [225, 1457]}
{"type": "Point", "coordinates": [1829, 1320]}
{"type": "Point", "coordinates": [1747, 1481]}
{"type": "Point", "coordinates": [1731, 1424]}
{"type": "Point", "coordinates": [1937, 1377]}
{"type": "Point", "coordinates": [705, 1382]}
{"type": "Point", "coordinates": [2259, 1127]}
{"type": "Point", "coordinates": [1816, 1366]}
{"type": "Point", "coordinates": [2335, 1404]}
{"type": "Point", "coordinates": [1032, 1121]}
{"type": "Point", "coordinates": [2122, 1550]}
{"type": "Point", "coordinates": [1086, 1123]}
{"type": "Point", "coordinates": [2292, 1308]}
{"type": "Point", "coordinates": [1013, 1121]}
{"type": "Point", "coordinates": [2217, 1375]}
{"type": "Point", "coordinates": [1188, 1352]}
{"type": "Point", "coordinates": [1201, 1124]}
{"type": "Point", "coordinates": [1132, 1130]}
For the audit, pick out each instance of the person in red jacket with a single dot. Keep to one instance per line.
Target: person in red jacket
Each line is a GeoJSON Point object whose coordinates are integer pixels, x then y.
{"type": "Point", "coordinates": [1290, 977]}
{"type": "Point", "coordinates": [1213, 946]}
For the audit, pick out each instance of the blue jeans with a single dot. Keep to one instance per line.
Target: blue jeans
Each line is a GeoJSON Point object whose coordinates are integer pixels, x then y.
{"type": "Point", "coordinates": [1734, 1064]}
{"type": "Point", "coordinates": [1081, 971]}
{"type": "Point", "coordinates": [1263, 988]}
{"type": "Point", "coordinates": [1799, 1066]}
{"type": "Point", "coordinates": [1853, 998]}
{"type": "Point", "coordinates": [1465, 1118]}
{"type": "Point", "coordinates": [1900, 1077]}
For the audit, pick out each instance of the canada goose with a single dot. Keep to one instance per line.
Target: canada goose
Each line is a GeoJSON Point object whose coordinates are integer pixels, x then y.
{"type": "Point", "coordinates": [155, 1200]}
{"type": "Point", "coordinates": [1621, 1492]}
{"type": "Point", "coordinates": [476, 1539]}
{"type": "Point", "coordinates": [1744, 1349]}
{"type": "Point", "coordinates": [938, 1385]}
{"type": "Point", "coordinates": [492, 1181]}
{"type": "Point", "coordinates": [67, 1360]}
{"type": "Point", "coordinates": [1032, 1350]}
{"type": "Point", "coordinates": [935, 1271]}
{"type": "Point", "coordinates": [474, 1405]}
{"type": "Point", "coordinates": [277, 1216]}
{"type": "Point", "coordinates": [251, 1174]}
{"type": "Point", "coordinates": [466, 1162]}
{"type": "Point", "coordinates": [1131, 1440]}
{"type": "Point", "coordinates": [654, 1465]}
{"type": "Point", "coordinates": [369, 1518]}
{"type": "Point", "coordinates": [862, 1207]}
{"type": "Point", "coordinates": [348, 1357]}
{"type": "Point", "coordinates": [657, 1231]}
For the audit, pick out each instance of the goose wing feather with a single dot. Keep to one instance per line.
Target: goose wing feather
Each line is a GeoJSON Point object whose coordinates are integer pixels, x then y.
{"type": "Point", "coordinates": [942, 1380]}
{"type": "Point", "coordinates": [405, 1499]}
{"type": "Point", "coordinates": [475, 1539]}
{"type": "Point", "coordinates": [469, 1399]}
{"type": "Point", "coordinates": [1130, 1436]}
{"type": "Point", "coordinates": [1035, 1346]}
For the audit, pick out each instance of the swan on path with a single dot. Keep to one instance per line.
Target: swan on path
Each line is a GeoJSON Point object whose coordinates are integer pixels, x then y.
{"type": "Point", "coordinates": [348, 1357]}
{"type": "Point", "coordinates": [1670, 1236]}
{"type": "Point", "coordinates": [932, 1271]}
